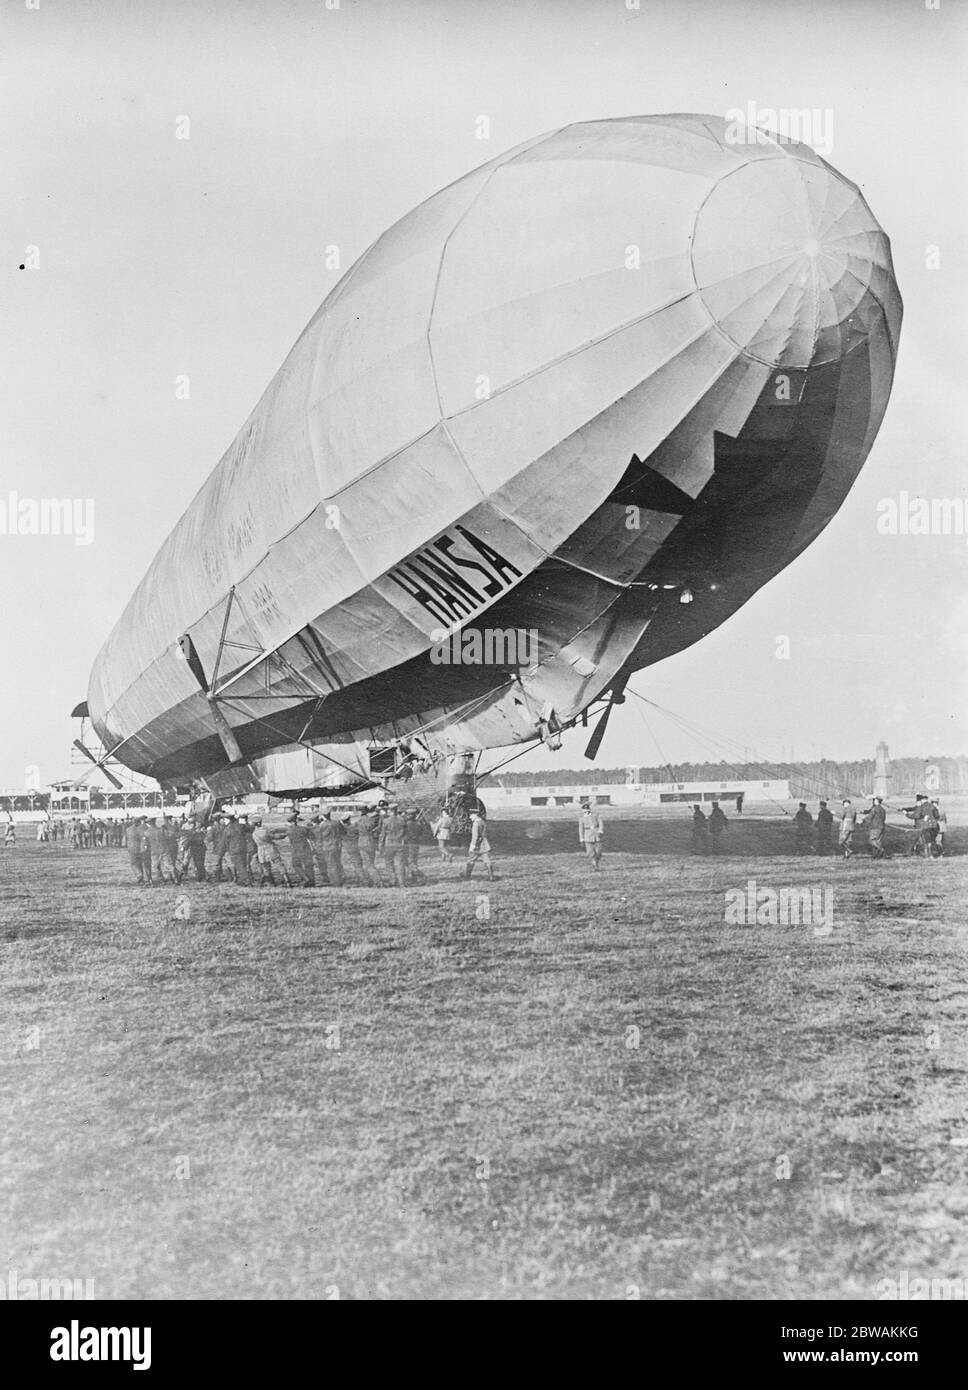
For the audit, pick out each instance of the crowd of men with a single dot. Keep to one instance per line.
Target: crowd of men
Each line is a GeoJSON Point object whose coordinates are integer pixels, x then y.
{"type": "Point", "coordinates": [929, 819]}
{"type": "Point", "coordinates": [381, 844]}
{"type": "Point", "coordinates": [370, 846]}
{"type": "Point", "coordinates": [83, 832]}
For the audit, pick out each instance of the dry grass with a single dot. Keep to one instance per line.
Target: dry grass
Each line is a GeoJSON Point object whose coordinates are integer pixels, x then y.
{"type": "Point", "coordinates": [482, 1125]}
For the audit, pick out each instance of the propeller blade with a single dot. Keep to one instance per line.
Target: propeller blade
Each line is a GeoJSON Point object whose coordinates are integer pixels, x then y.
{"type": "Point", "coordinates": [598, 733]}
{"type": "Point", "coordinates": [119, 786]}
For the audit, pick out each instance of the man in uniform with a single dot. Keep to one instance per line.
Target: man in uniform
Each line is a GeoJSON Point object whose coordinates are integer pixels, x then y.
{"type": "Point", "coordinates": [929, 829]}
{"type": "Point", "coordinates": [825, 825]}
{"type": "Point", "coordinates": [138, 857]}
{"type": "Point", "coordinates": [235, 848]}
{"type": "Point", "coordinates": [717, 824]}
{"type": "Point", "coordinates": [366, 834]}
{"type": "Point", "coordinates": [328, 837]}
{"type": "Point", "coordinates": [876, 821]}
{"type": "Point", "coordinates": [917, 813]}
{"type": "Point", "coordinates": [411, 840]}
{"type": "Point", "coordinates": [393, 846]}
{"type": "Point", "coordinates": [700, 830]}
{"type": "Point", "coordinates": [267, 854]}
{"type": "Point", "coordinates": [591, 828]}
{"type": "Point", "coordinates": [300, 853]}
{"type": "Point", "coordinates": [162, 865]}
{"type": "Point", "coordinates": [804, 824]}
{"type": "Point", "coordinates": [219, 848]}
{"type": "Point", "coordinates": [479, 846]}
{"type": "Point", "coordinates": [441, 829]}
{"type": "Point", "coordinates": [848, 824]}
{"type": "Point", "coordinates": [351, 861]}
{"type": "Point", "coordinates": [942, 828]}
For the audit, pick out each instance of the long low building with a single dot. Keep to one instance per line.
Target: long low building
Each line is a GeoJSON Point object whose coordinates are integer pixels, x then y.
{"type": "Point", "coordinates": [498, 798]}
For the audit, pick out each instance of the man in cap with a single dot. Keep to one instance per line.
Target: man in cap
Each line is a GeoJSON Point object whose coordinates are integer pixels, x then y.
{"type": "Point", "coordinates": [591, 828]}
{"type": "Point", "coordinates": [328, 836]}
{"type": "Point", "coordinates": [825, 826]}
{"type": "Point", "coordinates": [367, 835]}
{"type": "Point", "coordinates": [235, 848]}
{"type": "Point", "coordinates": [479, 847]}
{"type": "Point", "coordinates": [411, 840]}
{"type": "Point", "coordinates": [138, 857]}
{"type": "Point", "coordinates": [393, 846]}
{"type": "Point", "coordinates": [876, 822]}
{"type": "Point", "coordinates": [300, 853]}
{"type": "Point", "coordinates": [157, 840]}
{"type": "Point", "coordinates": [717, 824]}
{"type": "Point", "coordinates": [442, 831]}
{"type": "Point", "coordinates": [942, 828]}
{"type": "Point", "coordinates": [700, 830]}
{"type": "Point", "coordinates": [267, 855]}
{"type": "Point", "coordinates": [848, 824]}
{"type": "Point", "coordinates": [918, 813]}
{"type": "Point", "coordinates": [804, 824]}
{"type": "Point", "coordinates": [350, 861]}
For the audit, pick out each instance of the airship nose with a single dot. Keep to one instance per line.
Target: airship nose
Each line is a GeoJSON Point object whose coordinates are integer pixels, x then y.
{"type": "Point", "coordinates": [790, 262]}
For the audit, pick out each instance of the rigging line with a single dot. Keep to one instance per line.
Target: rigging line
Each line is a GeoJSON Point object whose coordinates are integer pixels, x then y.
{"type": "Point", "coordinates": [717, 747]}
{"type": "Point", "coordinates": [526, 749]}
{"type": "Point", "coordinates": [664, 763]}
{"type": "Point", "coordinates": [721, 744]}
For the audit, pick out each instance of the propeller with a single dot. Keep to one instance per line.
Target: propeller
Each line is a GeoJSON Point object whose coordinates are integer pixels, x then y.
{"type": "Point", "coordinates": [99, 765]}
{"type": "Point", "coordinates": [616, 697]}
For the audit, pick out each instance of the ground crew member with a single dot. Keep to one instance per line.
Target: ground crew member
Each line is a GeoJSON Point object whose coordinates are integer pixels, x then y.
{"type": "Point", "coordinates": [848, 824]}
{"type": "Point", "coordinates": [917, 813]}
{"type": "Point", "coordinates": [717, 824]}
{"type": "Point", "coordinates": [393, 846]}
{"type": "Point", "coordinates": [441, 832]}
{"type": "Point", "coordinates": [196, 849]}
{"type": "Point", "coordinates": [825, 825]}
{"type": "Point", "coordinates": [183, 853]}
{"type": "Point", "coordinates": [10, 833]}
{"type": "Point", "coordinates": [411, 840]}
{"type": "Point", "coordinates": [235, 849]}
{"type": "Point", "coordinates": [301, 853]}
{"type": "Point", "coordinates": [700, 831]}
{"type": "Point", "coordinates": [804, 824]}
{"type": "Point", "coordinates": [328, 837]}
{"type": "Point", "coordinates": [251, 857]}
{"type": "Point", "coordinates": [929, 829]}
{"type": "Point", "coordinates": [876, 821]}
{"type": "Point", "coordinates": [366, 833]}
{"type": "Point", "coordinates": [267, 855]}
{"type": "Point", "coordinates": [138, 857]}
{"type": "Point", "coordinates": [591, 828]}
{"type": "Point", "coordinates": [350, 859]}
{"type": "Point", "coordinates": [156, 839]}
{"type": "Point", "coordinates": [220, 849]}
{"type": "Point", "coordinates": [479, 847]}
{"type": "Point", "coordinates": [942, 828]}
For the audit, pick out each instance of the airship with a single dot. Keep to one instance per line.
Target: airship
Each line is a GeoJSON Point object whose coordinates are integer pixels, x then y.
{"type": "Point", "coordinates": [594, 395]}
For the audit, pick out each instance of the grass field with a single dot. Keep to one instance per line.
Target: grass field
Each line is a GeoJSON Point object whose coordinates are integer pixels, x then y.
{"type": "Point", "coordinates": [558, 1085]}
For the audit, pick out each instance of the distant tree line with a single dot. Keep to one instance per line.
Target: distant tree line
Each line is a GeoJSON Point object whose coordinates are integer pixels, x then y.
{"type": "Point", "coordinates": [810, 780]}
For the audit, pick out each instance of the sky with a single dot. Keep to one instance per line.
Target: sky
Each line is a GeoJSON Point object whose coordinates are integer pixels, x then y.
{"type": "Point", "coordinates": [150, 258]}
